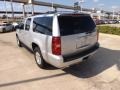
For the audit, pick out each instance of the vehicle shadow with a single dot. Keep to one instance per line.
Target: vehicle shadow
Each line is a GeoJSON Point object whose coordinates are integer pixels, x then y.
{"type": "Point", "coordinates": [7, 32]}
{"type": "Point", "coordinates": [30, 80]}
{"type": "Point", "coordinates": [102, 60]}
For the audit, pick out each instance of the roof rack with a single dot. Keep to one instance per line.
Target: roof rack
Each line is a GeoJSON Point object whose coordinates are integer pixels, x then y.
{"type": "Point", "coordinates": [52, 12]}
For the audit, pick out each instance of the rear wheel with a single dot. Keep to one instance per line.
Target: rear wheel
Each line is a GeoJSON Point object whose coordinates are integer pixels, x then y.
{"type": "Point", "coordinates": [18, 42]}
{"type": "Point", "coordinates": [39, 59]}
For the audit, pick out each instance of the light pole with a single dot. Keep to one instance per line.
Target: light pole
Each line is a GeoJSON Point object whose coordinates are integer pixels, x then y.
{"type": "Point", "coordinates": [6, 10]}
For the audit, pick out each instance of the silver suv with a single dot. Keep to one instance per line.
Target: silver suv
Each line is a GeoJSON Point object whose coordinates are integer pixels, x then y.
{"type": "Point", "coordinates": [60, 39]}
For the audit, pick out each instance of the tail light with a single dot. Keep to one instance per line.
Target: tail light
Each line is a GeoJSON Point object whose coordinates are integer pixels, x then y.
{"type": "Point", "coordinates": [97, 35]}
{"type": "Point", "coordinates": [56, 45]}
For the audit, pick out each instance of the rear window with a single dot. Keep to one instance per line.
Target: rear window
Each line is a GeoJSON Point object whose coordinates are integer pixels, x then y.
{"type": "Point", "coordinates": [43, 25]}
{"type": "Point", "coordinates": [75, 24]}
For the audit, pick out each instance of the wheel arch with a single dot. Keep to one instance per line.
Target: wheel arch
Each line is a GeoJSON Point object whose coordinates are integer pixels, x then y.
{"type": "Point", "coordinates": [16, 35]}
{"type": "Point", "coordinates": [34, 45]}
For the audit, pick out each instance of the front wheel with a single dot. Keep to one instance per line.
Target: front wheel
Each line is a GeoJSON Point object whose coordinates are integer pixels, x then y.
{"type": "Point", "coordinates": [39, 59]}
{"type": "Point", "coordinates": [18, 42]}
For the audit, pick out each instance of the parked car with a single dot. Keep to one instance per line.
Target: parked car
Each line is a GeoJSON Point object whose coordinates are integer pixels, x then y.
{"type": "Point", "coordinates": [5, 27]}
{"type": "Point", "coordinates": [119, 21]}
{"type": "Point", "coordinates": [106, 22]}
{"type": "Point", "coordinates": [113, 21]}
{"type": "Point", "coordinates": [15, 24]}
{"type": "Point", "coordinates": [98, 22]}
{"type": "Point", "coordinates": [60, 39]}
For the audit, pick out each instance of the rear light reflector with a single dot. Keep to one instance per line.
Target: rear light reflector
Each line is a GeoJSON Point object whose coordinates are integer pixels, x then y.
{"type": "Point", "coordinates": [56, 45]}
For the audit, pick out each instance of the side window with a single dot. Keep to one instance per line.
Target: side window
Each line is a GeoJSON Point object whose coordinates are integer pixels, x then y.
{"type": "Point", "coordinates": [43, 25]}
{"type": "Point", "coordinates": [27, 25]}
{"type": "Point", "coordinates": [21, 25]}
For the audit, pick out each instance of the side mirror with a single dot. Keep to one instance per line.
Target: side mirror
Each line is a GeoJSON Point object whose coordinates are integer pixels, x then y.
{"type": "Point", "coordinates": [17, 27]}
{"type": "Point", "coordinates": [20, 26]}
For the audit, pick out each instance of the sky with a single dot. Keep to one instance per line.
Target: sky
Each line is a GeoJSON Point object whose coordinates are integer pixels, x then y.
{"type": "Point", "coordinates": [101, 4]}
{"type": "Point", "coordinates": [106, 4]}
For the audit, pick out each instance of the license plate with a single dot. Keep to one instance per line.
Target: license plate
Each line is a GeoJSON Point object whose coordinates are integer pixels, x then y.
{"type": "Point", "coordinates": [82, 42]}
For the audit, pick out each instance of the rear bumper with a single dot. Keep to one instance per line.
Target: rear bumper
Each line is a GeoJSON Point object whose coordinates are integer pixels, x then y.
{"type": "Point", "coordinates": [81, 54]}
{"type": "Point", "coordinates": [65, 61]}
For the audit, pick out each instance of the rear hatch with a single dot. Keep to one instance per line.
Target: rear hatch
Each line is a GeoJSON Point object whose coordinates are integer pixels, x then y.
{"type": "Point", "coordinates": [78, 33]}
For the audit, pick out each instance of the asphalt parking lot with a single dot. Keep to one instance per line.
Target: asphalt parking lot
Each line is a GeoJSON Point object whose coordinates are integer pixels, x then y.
{"type": "Point", "coordinates": [18, 70]}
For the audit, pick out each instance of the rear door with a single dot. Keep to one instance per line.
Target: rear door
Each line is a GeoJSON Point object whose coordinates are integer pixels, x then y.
{"type": "Point", "coordinates": [77, 33]}
{"type": "Point", "coordinates": [42, 32]}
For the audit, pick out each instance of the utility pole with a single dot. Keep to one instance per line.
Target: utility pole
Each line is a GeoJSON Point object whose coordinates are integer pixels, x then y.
{"type": "Point", "coordinates": [12, 9]}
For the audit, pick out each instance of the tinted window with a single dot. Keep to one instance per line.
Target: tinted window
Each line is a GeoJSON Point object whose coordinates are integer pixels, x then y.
{"type": "Point", "coordinates": [43, 25]}
{"type": "Point", "coordinates": [27, 25]}
{"type": "Point", "coordinates": [75, 24]}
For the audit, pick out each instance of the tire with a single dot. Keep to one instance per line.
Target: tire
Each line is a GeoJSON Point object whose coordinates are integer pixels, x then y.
{"type": "Point", "coordinates": [18, 42]}
{"type": "Point", "coordinates": [13, 29]}
{"type": "Point", "coordinates": [39, 59]}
